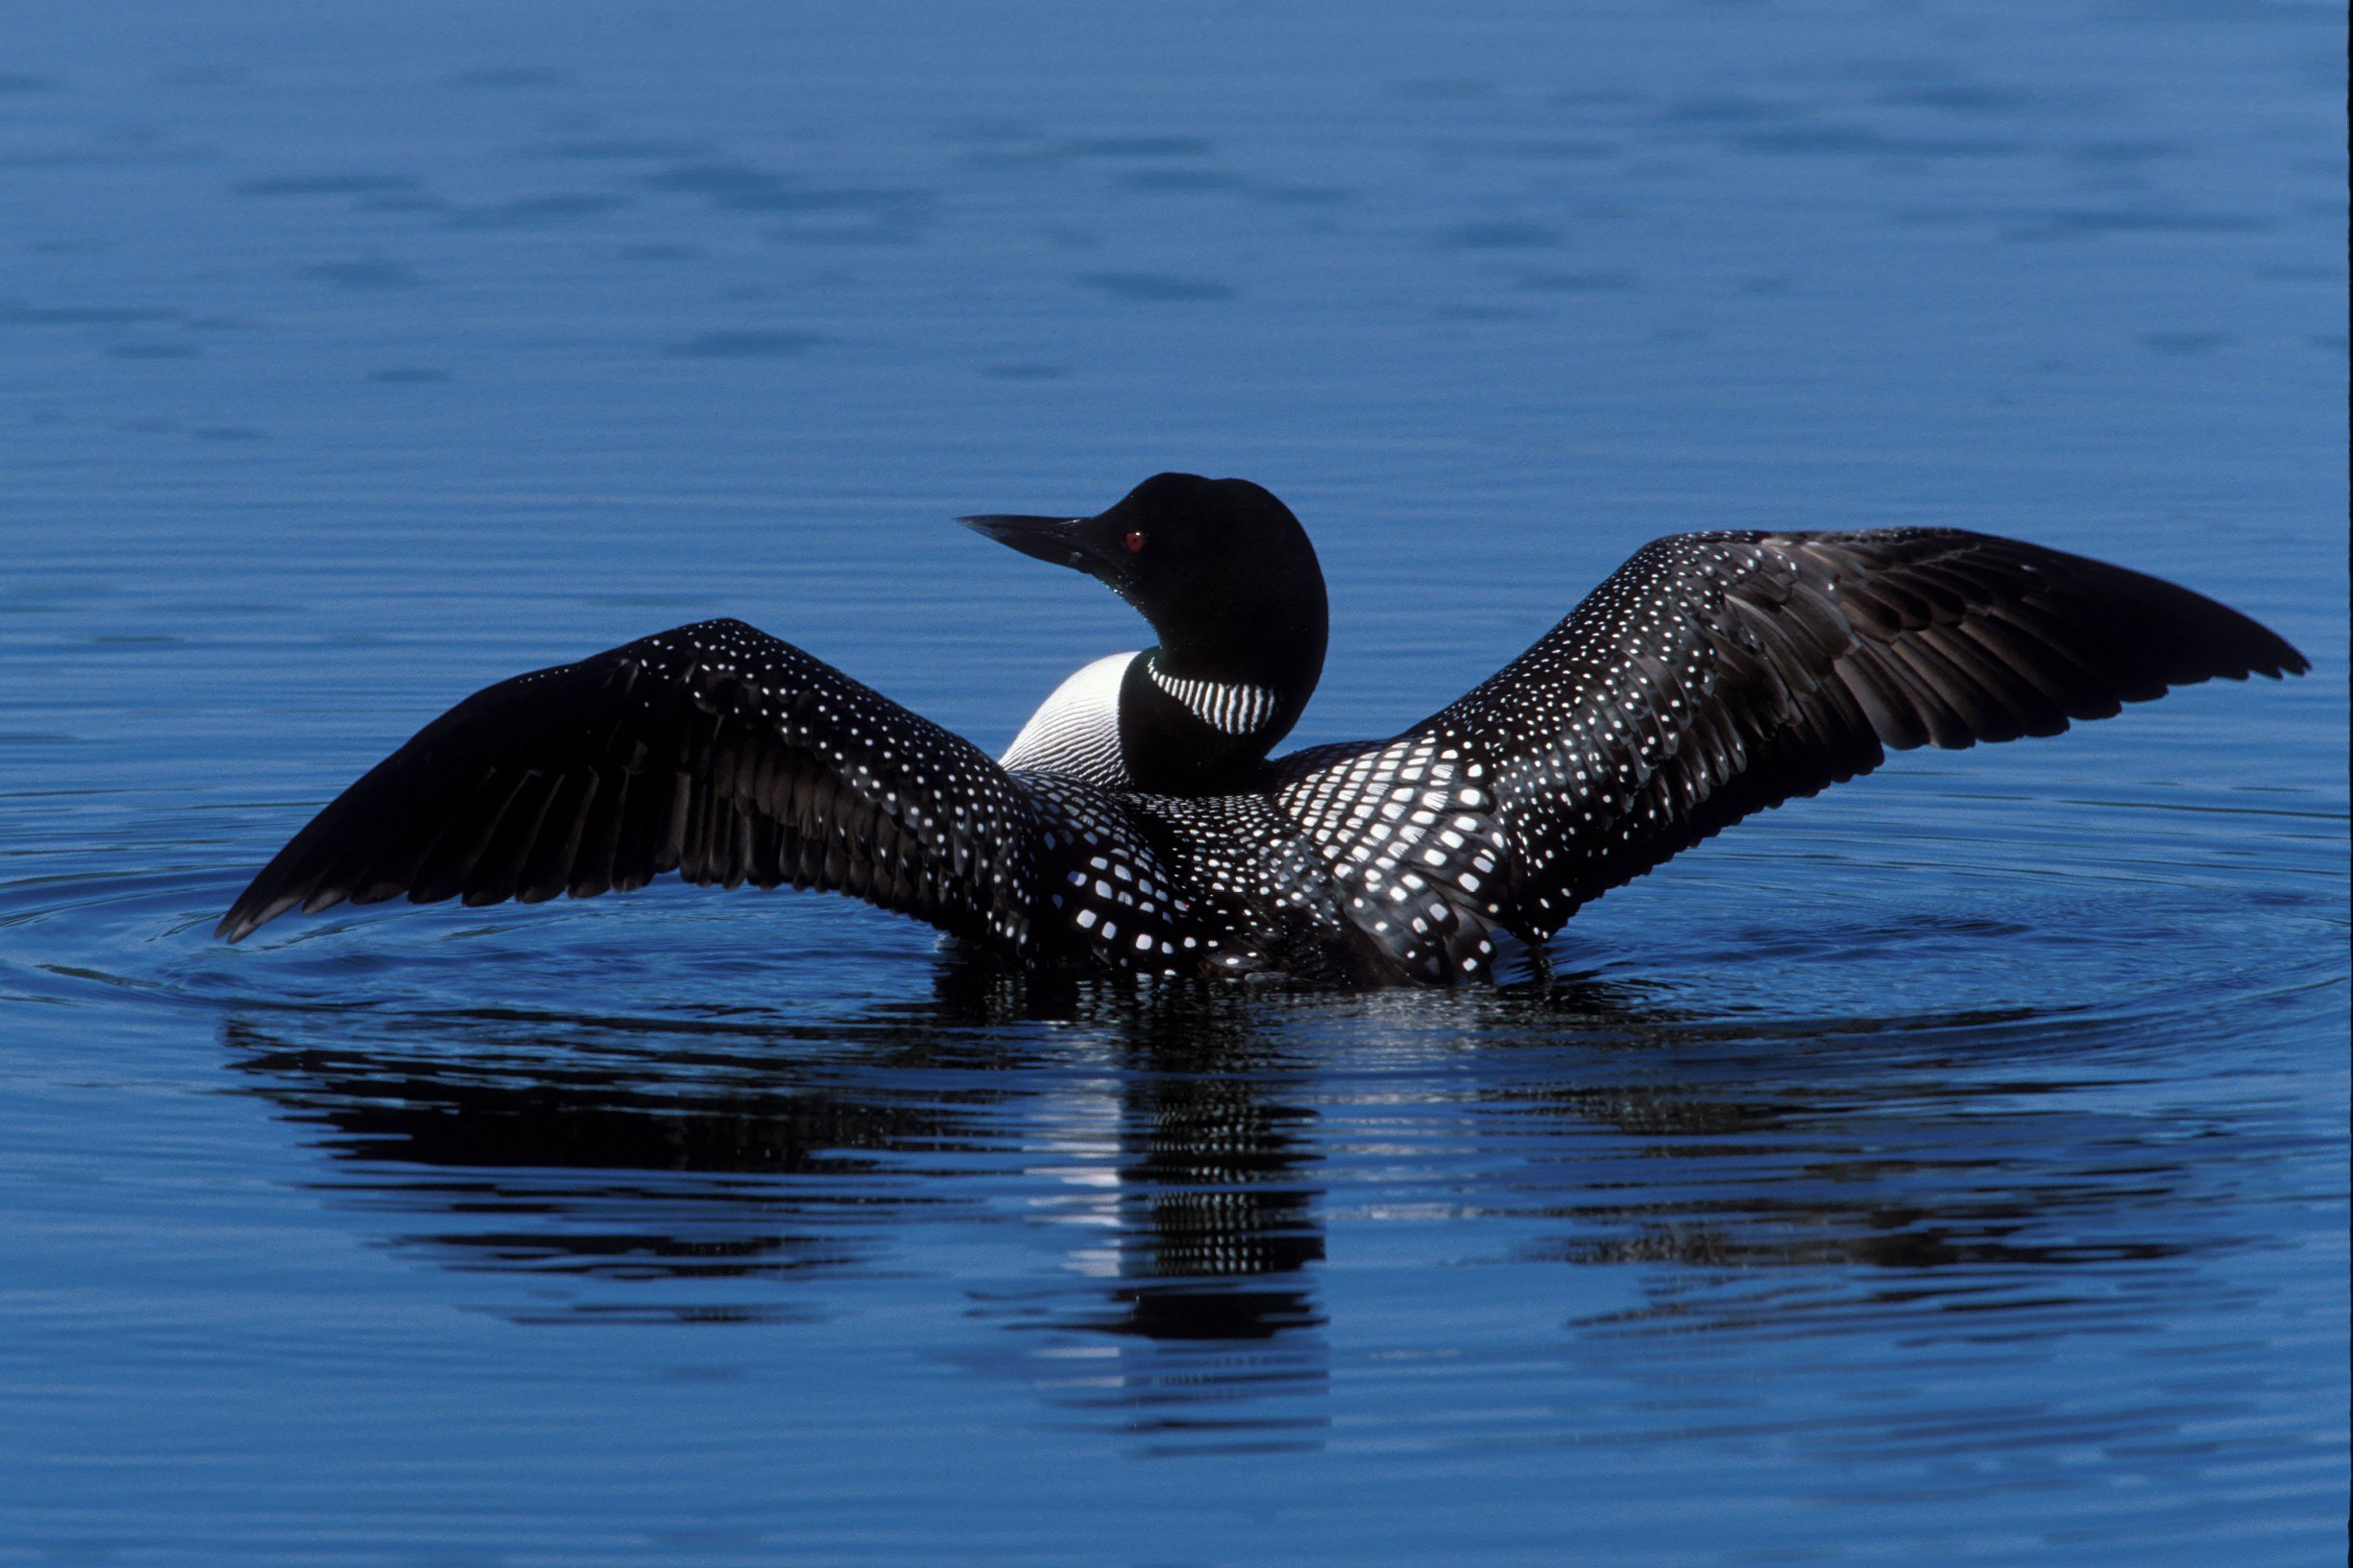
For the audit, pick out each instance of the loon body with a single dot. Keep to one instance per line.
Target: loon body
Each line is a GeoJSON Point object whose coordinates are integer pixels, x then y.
{"type": "Point", "coordinates": [1139, 820]}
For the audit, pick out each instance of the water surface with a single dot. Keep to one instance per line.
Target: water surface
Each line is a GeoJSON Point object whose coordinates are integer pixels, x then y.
{"type": "Point", "coordinates": [1952, 1168]}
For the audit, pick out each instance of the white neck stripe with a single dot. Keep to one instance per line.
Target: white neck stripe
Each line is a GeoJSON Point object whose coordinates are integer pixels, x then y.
{"type": "Point", "coordinates": [1229, 709]}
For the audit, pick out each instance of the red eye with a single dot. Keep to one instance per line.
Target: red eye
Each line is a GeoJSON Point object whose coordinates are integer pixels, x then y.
{"type": "Point", "coordinates": [1134, 542]}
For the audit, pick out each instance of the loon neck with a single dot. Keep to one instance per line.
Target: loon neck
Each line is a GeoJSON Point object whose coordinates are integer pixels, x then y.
{"type": "Point", "coordinates": [1200, 711]}
{"type": "Point", "coordinates": [1198, 732]}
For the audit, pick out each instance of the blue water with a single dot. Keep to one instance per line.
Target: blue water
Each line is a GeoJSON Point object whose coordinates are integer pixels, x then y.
{"type": "Point", "coordinates": [1952, 1168]}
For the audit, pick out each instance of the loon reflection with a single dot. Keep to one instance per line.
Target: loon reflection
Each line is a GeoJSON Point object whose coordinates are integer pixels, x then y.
{"type": "Point", "coordinates": [694, 1161]}
{"type": "Point", "coordinates": [1139, 820]}
{"type": "Point", "coordinates": [1181, 1149]}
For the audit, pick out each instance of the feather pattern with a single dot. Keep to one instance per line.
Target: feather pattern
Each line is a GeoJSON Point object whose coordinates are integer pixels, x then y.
{"type": "Point", "coordinates": [1233, 708]}
{"type": "Point", "coordinates": [1713, 675]}
{"type": "Point", "coordinates": [715, 751]}
{"type": "Point", "coordinates": [1717, 674]}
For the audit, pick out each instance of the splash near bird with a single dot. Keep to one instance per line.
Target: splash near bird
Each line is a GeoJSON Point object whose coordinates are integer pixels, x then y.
{"type": "Point", "coordinates": [1138, 823]}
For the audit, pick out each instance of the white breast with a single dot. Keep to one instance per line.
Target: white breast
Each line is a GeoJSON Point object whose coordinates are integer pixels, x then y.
{"type": "Point", "coordinates": [1076, 731]}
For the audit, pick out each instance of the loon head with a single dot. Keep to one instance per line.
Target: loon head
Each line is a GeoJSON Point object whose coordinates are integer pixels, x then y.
{"type": "Point", "coordinates": [1230, 584]}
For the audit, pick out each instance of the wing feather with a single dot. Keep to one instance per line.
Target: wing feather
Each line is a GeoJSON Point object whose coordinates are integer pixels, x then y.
{"type": "Point", "coordinates": [714, 750]}
{"type": "Point", "coordinates": [1715, 675]}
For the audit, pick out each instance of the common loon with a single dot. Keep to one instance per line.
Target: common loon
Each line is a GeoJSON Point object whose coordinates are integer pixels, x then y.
{"type": "Point", "coordinates": [1137, 822]}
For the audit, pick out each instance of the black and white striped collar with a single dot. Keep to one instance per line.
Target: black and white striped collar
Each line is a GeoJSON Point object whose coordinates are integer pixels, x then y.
{"type": "Point", "coordinates": [1229, 708]}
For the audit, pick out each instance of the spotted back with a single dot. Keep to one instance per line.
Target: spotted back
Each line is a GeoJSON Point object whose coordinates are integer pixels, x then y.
{"type": "Point", "coordinates": [1613, 722]}
{"type": "Point", "coordinates": [1408, 834]}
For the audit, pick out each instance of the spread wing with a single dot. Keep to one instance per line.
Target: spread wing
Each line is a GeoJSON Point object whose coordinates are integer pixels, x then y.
{"type": "Point", "coordinates": [1714, 675]}
{"type": "Point", "coordinates": [1717, 674]}
{"type": "Point", "coordinates": [714, 750]}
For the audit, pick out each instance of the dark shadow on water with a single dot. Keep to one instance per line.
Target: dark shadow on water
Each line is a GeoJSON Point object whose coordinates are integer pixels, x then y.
{"type": "Point", "coordinates": [1177, 1148]}
{"type": "Point", "coordinates": [614, 1150]}
{"type": "Point", "coordinates": [685, 1171]}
